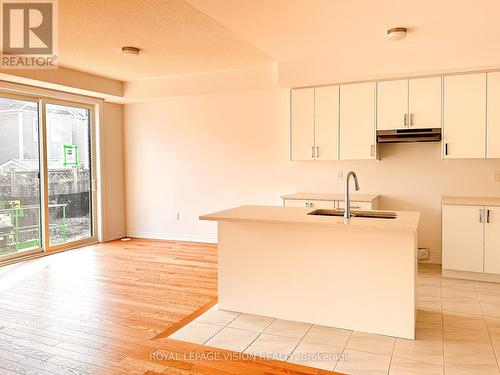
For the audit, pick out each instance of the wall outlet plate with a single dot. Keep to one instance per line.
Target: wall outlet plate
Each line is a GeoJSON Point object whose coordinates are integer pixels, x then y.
{"type": "Point", "coordinates": [496, 176]}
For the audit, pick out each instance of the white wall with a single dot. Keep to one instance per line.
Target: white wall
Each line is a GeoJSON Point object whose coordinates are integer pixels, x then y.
{"type": "Point", "coordinates": [199, 154]}
{"type": "Point", "coordinates": [112, 172]}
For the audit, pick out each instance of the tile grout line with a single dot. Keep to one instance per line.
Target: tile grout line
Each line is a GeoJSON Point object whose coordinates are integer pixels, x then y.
{"type": "Point", "coordinates": [260, 334]}
{"type": "Point", "coordinates": [392, 355]}
{"type": "Point", "coordinates": [442, 321]}
{"type": "Point", "coordinates": [216, 333]}
{"type": "Point", "coordinates": [296, 346]}
{"type": "Point", "coordinates": [488, 330]}
{"type": "Point", "coordinates": [343, 349]}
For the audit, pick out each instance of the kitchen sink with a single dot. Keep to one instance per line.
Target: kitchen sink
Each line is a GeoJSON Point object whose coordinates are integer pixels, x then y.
{"type": "Point", "coordinates": [354, 213]}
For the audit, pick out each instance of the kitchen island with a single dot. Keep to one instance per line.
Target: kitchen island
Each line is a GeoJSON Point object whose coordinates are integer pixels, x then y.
{"type": "Point", "coordinates": [285, 263]}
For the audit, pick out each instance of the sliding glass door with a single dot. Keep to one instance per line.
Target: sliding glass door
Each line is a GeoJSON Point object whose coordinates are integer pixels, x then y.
{"type": "Point", "coordinates": [20, 224]}
{"type": "Point", "coordinates": [69, 167]}
{"type": "Point", "coordinates": [46, 175]}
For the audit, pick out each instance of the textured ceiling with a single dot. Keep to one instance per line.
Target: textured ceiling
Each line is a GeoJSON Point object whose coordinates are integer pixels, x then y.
{"type": "Point", "coordinates": [338, 40]}
{"type": "Point", "coordinates": [175, 37]}
{"type": "Point", "coordinates": [313, 41]}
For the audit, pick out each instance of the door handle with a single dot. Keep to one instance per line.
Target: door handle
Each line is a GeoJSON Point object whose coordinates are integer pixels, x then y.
{"type": "Point", "coordinates": [481, 216]}
{"type": "Point", "coordinates": [411, 119]}
{"type": "Point", "coordinates": [405, 120]}
{"type": "Point", "coordinates": [446, 148]}
{"type": "Point", "coordinates": [487, 216]}
{"type": "Point", "coordinates": [372, 150]}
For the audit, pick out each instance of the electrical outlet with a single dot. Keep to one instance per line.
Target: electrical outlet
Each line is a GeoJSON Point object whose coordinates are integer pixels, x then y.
{"type": "Point", "coordinates": [496, 176]}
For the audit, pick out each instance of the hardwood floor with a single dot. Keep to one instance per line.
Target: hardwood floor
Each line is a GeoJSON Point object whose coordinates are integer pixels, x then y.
{"type": "Point", "coordinates": [105, 309]}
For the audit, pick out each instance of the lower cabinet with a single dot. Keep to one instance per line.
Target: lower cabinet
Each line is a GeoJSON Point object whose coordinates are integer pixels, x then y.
{"type": "Point", "coordinates": [296, 203]}
{"type": "Point", "coordinates": [309, 203]}
{"type": "Point", "coordinates": [327, 204]}
{"type": "Point", "coordinates": [355, 205]}
{"type": "Point", "coordinates": [492, 240]}
{"type": "Point", "coordinates": [463, 238]}
{"type": "Point", "coordinates": [471, 238]}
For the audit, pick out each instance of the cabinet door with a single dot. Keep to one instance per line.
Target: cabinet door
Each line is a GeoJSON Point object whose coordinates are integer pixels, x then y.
{"type": "Point", "coordinates": [302, 127]}
{"type": "Point", "coordinates": [492, 240]}
{"type": "Point", "coordinates": [356, 205]}
{"type": "Point", "coordinates": [462, 238]}
{"type": "Point", "coordinates": [392, 105]}
{"type": "Point", "coordinates": [357, 121]}
{"type": "Point", "coordinates": [322, 204]}
{"type": "Point", "coordinates": [424, 106]}
{"type": "Point", "coordinates": [464, 117]}
{"type": "Point", "coordinates": [493, 137]}
{"type": "Point", "coordinates": [326, 122]}
{"type": "Point", "coordinates": [296, 203]}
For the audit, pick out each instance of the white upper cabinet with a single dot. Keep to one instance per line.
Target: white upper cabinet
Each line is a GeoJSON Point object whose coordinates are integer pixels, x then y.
{"type": "Point", "coordinates": [392, 105]}
{"type": "Point", "coordinates": [409, 104]}
{"type": "Point", "coordinates": [302, 124]}
{"type": "Point", "coordinates": [424, 102]}
{"type": "Point", "coordinates": [326, 122]}
{"type": "Point", "coordinates": [493, 137]}
{"type": "Point", "coordinates": [464, 117]}
{"type": "Point", "coordinates": [357, 121]}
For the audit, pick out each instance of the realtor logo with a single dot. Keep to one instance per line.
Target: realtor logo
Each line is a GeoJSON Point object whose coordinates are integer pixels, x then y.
{"type": "Point", "coordinates": [29, 34]}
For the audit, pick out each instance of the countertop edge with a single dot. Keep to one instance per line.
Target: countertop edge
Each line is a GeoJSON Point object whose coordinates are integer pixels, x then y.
{"type": "Point", "coordinates": [330, 196]}
{"type": "Point", "coordinates": [342, 225]}
{"type": "Point", "coordinates": [410, 219]}
{"type": "Point", "coordinates": [470, 201]}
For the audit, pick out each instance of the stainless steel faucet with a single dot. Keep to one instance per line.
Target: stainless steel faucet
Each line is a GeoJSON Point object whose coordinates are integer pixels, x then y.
{"type": "Point", "coordinates": [347, 203]}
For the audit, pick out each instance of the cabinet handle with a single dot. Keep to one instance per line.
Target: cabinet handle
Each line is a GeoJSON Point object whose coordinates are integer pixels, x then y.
{"type": "Point", "coordinates": [405, 120]}
{"type": "Point", "coordinates": [487, 216]}
{"type": "Point", "coordinates": [446, 148]}
{"type": "Point", "coordinates": [312, 152]}
{"type": "Point", "coordinates": [481, 216]}
{"type": "Point", "coordinates": [306, 204]}
{"type": "Point", "coordinates": [317, 151]}
{"type": "Point", "coordinates": [311, 204]}
{"type": "Point", "coordinates": [411, 119]}
{"type": "Point", "coordinates": [372, 150]}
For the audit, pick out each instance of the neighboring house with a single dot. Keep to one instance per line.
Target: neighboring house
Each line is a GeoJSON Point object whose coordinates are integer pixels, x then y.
{"type": "Point", "coordinates": [19, 133]}
{"type": "Point", "coordinates": [20, 165]}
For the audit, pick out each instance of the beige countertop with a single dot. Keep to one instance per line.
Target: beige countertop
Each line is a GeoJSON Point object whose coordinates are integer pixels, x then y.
{"type": "Point", "coordinates": [406, 220]}
{"type": "Point", "coordinates": [331, 197]}
{"type": "Point", "coordinates": [472, 201]}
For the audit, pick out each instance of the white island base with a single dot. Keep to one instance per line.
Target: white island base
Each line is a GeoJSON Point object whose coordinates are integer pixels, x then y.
{"type": "Point", "coordinates": [356, 276]}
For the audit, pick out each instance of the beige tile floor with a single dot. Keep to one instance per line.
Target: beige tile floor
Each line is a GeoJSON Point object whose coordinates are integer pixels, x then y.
{"type": "Point", "coordinates": [458, 333]}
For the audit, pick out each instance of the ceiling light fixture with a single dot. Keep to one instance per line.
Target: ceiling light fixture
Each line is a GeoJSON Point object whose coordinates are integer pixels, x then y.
{"type": "Point", "coordinates": [396, 33]}
{"type": "Point", "coordinates": [134, 51]}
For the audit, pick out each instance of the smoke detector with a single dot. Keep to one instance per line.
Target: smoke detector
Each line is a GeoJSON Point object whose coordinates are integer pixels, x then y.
{"type": "Point", "coordinates": [134, 51]}
{"type": "Point", "coordinates": [396, 33]}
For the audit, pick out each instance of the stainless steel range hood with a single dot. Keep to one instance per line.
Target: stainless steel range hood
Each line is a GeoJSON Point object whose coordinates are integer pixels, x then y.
{"type": "Point", "coordinates": [409, 135]}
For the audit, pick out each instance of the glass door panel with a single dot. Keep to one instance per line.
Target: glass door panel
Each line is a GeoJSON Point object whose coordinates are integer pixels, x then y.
{"type": "Point", "coordinates": [20, 224]}
{"type": "Point", "coordinates": [69, 171]}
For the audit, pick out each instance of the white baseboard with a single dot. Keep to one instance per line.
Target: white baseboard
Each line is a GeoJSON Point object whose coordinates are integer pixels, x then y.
{"type": "Point", "coordinates": [114, 236]}
{"type": "Point", "coordinates": [434, 259]}
{"type": "Point", "coordinates": [172, 237]}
